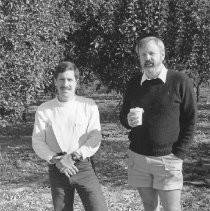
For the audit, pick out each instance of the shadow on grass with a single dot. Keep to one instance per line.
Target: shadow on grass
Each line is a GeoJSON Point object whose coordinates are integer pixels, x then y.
{"type": "Point", "coordinates": [204, 106]}
{"type": "Point", "coordinates": [32, 180]}
{"type": "Point", "coordinates": [195, 171]}
{"type": "Point", "coordinates": [109, 117]}
{"type": "Point", "coordinates": [18, 163]}
{"type": "Point", "coordinates": [17, 130]}
{"type": "Point", "coordinates": [111, 163]}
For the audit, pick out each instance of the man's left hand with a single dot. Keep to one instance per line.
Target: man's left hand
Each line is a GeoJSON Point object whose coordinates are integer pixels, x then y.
{"type": "Point", "coordinates": [66, 165]}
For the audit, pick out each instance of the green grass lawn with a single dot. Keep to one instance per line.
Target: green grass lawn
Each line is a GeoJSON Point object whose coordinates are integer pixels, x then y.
{"type": "Point", "coordinates": [24, 179]}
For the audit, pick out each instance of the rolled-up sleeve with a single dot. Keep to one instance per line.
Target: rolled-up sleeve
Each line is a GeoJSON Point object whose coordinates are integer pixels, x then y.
{"type": "Point", "coordinates": [94, 136]}
{"type": "Point", "coordinates": [39, 137]}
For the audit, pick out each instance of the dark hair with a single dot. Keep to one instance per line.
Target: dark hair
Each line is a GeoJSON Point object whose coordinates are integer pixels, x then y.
{"type": "Point", "coordinates": [142, 42]}
{"type": "Point", "coordinates": [65, 66]}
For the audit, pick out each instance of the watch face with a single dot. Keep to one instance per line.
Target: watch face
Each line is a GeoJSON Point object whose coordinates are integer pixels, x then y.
{"type": "Point", "coordinates": [74, 157]}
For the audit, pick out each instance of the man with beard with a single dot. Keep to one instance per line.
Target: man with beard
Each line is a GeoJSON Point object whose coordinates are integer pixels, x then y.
{"type": "Point", "coordinates": [159, 108]}
{"type": "Point", "coordinates": [66, 134]}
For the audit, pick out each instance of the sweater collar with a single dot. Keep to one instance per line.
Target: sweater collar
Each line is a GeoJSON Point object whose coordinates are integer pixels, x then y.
{"type": "Point", "coordinates": [161, 76]}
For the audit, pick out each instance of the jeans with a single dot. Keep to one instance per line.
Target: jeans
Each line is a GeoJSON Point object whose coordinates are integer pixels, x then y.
{"type": "Point", "coordinates": [85, 182]}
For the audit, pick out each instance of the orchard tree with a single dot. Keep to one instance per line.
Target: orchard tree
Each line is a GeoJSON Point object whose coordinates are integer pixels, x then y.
{"type": "Point", "coordinates": [199, 58]}
{"type": "Point", "coordinates": [30, 48]}
{"type": "Point", "coordinates": [187, 39]}
{"type": "Point", "coordinates": [106, 32]}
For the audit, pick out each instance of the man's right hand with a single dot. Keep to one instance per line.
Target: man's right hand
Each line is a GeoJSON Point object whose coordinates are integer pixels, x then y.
{"type": "Point", "coordinates": [55, 159]}
{"type": "Point", "coordinates": [66, 165]}
{"type": "Point", "coordinates": [135, 117]}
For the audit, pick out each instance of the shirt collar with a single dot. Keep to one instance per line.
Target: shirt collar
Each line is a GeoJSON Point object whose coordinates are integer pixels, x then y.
{"type": "Point", "coordinates": [161, 76]}
{"type": "Point", "coordinates": [63, 104]}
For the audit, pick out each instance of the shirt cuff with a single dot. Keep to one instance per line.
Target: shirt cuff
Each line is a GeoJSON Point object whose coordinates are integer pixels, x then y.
{"type": "Point", "coordinates": [80, 154]}
{"type": "Point", "coordinates": [49, 158]}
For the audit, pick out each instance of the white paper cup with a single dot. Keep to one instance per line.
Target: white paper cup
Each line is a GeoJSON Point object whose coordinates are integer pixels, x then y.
{"type": "Point", "coordinates": [138, 112]}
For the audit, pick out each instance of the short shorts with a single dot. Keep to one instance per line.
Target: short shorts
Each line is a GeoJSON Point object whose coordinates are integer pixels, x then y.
{"type": "Point", "coordinates": [162, 173]}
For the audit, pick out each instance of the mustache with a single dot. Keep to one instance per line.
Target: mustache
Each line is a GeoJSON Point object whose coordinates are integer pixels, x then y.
{"type": "Point", "coordinates": [65, 87]}
{"type": "Point", "coordinates": [148, 62]}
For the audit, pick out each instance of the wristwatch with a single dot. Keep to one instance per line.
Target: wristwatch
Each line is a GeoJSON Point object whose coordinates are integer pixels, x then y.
{"type": "Point", "coordinates": [57, 155]}
{"type": "Point", "coordinates": [76, 157]}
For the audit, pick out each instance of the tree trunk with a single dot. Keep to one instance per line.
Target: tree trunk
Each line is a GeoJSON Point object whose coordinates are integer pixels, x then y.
{"type": "Point", "coordinates": [198, 93]}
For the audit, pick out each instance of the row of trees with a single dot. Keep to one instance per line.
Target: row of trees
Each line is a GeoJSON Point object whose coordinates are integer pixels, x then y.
{"type": "Point", "coordinates": [98, 35]}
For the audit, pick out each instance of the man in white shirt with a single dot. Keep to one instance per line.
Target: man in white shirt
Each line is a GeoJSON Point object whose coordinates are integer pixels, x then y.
{"type": "Point", "coordinates": [66, 134]}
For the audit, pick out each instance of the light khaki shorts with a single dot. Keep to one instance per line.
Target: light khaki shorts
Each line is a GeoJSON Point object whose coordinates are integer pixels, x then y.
{"type": "Point", "coordinates": [162, 173]}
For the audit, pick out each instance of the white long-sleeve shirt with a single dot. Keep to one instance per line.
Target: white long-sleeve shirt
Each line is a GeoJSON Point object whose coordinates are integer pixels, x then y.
{"type": "Point", "coordinates": [72, 126]}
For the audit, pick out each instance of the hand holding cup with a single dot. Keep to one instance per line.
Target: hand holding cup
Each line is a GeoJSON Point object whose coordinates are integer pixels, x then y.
{"type": "Point", "coordinates": [135, 116]}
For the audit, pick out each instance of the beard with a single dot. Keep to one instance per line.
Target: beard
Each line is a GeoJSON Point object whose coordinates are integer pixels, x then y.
{"type": "Point", "coordinates": [152, 70]}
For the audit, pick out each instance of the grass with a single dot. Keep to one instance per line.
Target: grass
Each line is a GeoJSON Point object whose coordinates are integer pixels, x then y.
{"type": "Point", "coordinates": [24, 179]}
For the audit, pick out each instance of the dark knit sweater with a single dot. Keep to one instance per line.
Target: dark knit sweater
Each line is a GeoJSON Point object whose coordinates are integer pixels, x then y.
{"type": "Point", "coordinates": [169, 116]}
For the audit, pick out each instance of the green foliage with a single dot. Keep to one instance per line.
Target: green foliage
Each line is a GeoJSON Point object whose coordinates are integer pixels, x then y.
{"type": "Point", "coordinates": [30, 48]}
{"type": "Point", "coordinates": [99, 37]}
{"type": "Point", "coordinates": [104, 39]}
{"type": "Point", "coordinates": [106, 35]}
{"type": "Point", "coordinates": [187, 25]}
{"type": "Point", "coordinates": [199, 58]}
